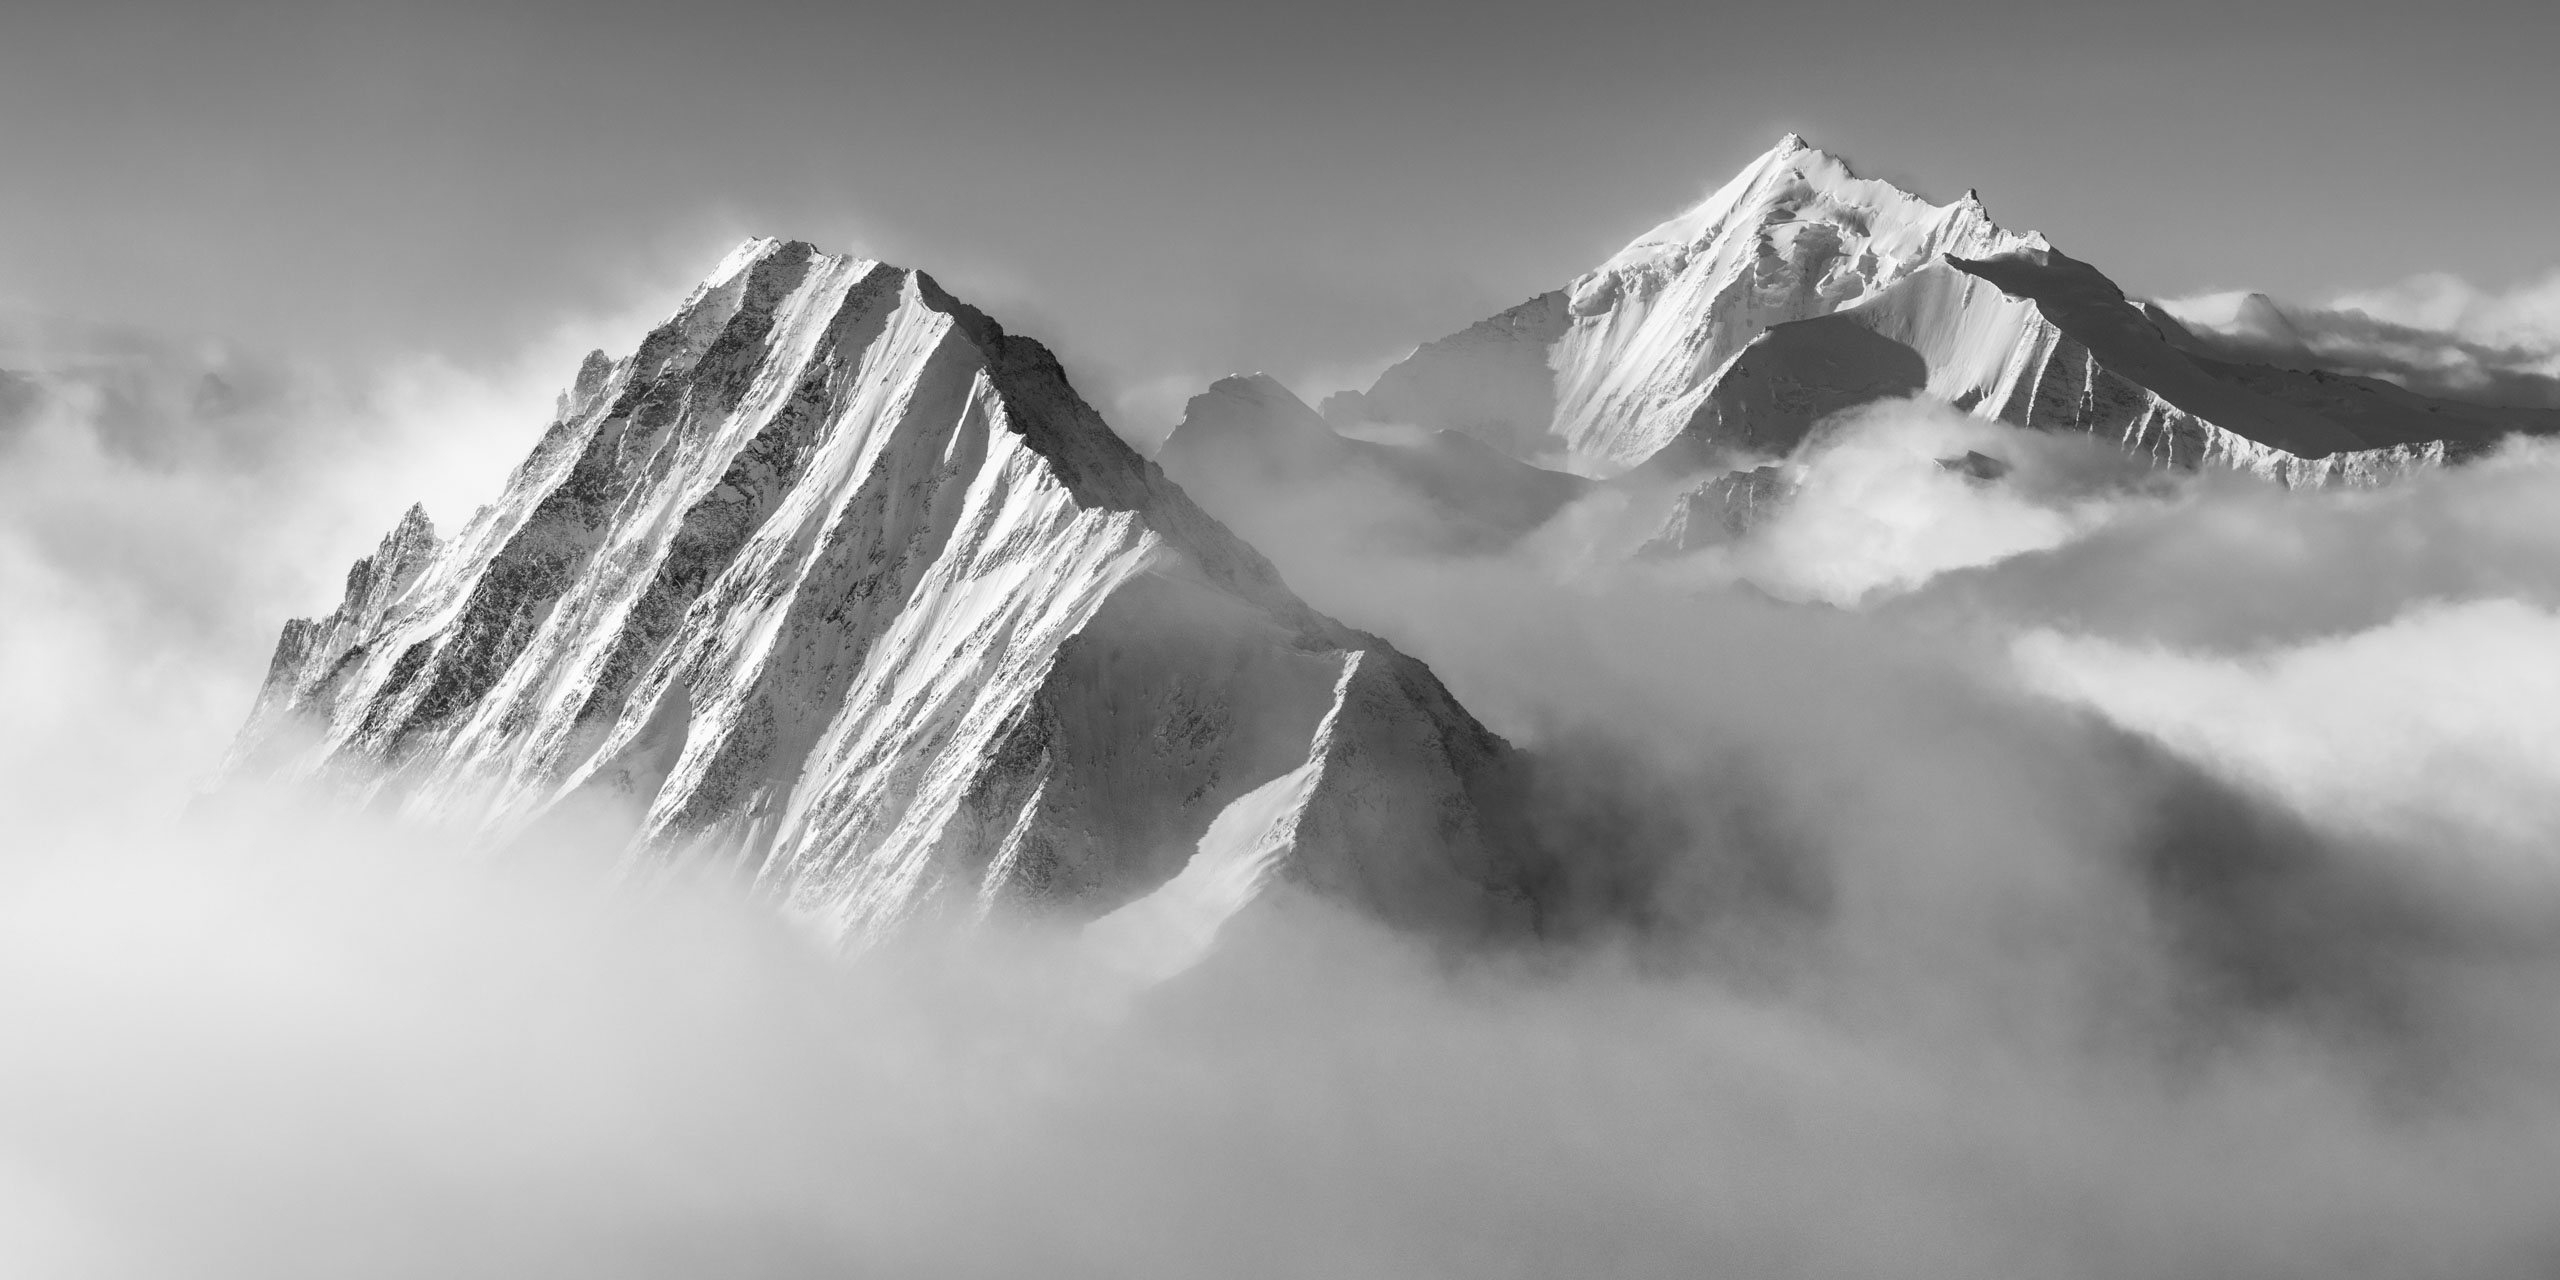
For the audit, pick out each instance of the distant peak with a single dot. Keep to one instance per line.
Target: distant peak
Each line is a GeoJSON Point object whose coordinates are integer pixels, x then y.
{"type": "Point", "coordinates": [1791, 142]}
{"type": "Point", "coordinates": [1244, 407]}
{"type": "Point", "coordinates": [1256, 382]}
{"type": "Point", "coordinates": [1257, 389]}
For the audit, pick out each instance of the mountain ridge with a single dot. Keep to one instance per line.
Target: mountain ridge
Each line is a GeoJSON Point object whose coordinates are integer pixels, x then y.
{"type": "Point", "coordinates": [835, 581]}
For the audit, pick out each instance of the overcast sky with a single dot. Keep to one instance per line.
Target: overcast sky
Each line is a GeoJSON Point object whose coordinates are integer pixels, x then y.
{"type": "Point", "coordinates": [1166, 192]}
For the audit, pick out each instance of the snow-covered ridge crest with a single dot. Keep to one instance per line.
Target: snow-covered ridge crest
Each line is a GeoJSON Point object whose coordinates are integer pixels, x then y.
{"type": "Point", "coordinates": [834, 579]}
{"type": "Point", "coordinates": [1795, 183]}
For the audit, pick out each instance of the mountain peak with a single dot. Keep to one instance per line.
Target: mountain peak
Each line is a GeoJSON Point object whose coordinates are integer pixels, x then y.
{"type": "Point", "coordinates": [1796, 182]}
{"type": "Point", "coordinates": [836, 581]}
{"type": "Point", "coordinates": [1249, 427]}
{"type": "Point", "coordinates": [1795, 235]}
{"type": "Point", "coordinates": [1258, 386]}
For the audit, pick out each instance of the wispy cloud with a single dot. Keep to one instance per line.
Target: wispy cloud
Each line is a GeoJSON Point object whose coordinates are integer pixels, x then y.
{"type": "Point", "coordinates": [166, 504]}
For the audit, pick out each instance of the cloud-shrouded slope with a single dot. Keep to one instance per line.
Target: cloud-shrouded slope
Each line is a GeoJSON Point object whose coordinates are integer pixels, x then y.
{"type": "Point", "coordinates": [1248, 440]}
{"type": "Point", "coordinates": [1799, 290]}
{"type": "Point", "coordinates": [835, 578]}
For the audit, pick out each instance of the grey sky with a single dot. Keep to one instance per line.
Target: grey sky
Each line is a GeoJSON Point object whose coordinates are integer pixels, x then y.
{"type": "Point", "coordinates": [1166, 192]}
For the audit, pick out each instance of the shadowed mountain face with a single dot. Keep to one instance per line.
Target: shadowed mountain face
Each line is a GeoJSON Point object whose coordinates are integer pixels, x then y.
{"type": "Point", "coordinates": [1799, 290]}
{"type": "Point", "coordinates": [1774, 391]}
{"type": "Point", "coordinates": [836, 581]}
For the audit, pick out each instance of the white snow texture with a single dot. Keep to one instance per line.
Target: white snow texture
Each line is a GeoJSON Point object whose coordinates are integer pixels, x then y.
{"type": "Point", "coordinates": [835, 580]}
{"type": "Point", "coordinates": [1799, 289]}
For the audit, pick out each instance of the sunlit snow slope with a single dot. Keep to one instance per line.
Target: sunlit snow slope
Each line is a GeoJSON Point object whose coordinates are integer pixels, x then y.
{"type": "Point", "coordinates": [836, 579]}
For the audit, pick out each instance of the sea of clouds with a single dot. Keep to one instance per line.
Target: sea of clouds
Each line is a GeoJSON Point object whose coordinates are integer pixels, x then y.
{"type": "Point", "coordinates": [2090, 873]}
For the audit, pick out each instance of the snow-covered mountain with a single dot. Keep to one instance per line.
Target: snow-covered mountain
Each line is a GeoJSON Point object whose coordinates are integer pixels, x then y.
{"type": "Point", "coordinates": [836, 580]}
{"type": "Point", "coordinates": [1799, 289]}
{"type": "Point", "coordinates": [1602, 374]}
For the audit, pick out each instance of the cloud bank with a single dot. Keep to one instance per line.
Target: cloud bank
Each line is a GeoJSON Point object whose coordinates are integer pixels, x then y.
{"type": "Point", "coordinates": [2093, 875]}
{"type": "Point", "coordinates": [165, 504]}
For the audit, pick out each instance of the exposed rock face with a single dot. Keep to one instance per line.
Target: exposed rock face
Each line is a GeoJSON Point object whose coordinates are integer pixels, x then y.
{"type": "Point", "coordinates": [1799, 290]}
{"type": "Point", "coordinates": [1257, 456]}
{"type": "Point", "coordinates": [835, 579]}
